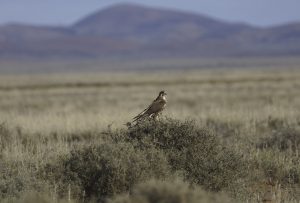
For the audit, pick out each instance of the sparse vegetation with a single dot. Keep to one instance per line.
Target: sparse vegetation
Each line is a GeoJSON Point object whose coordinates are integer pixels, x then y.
{"type": "Point", "coordinates": [224, 136]}
{"type": "Point", "coordinates": [170, 192]}
{"type": "Point", "coordinates": [103, 170]}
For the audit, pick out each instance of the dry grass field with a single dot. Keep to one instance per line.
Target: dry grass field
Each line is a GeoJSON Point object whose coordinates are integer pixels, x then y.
{"type": "Point", "coordinates": [253, 113]}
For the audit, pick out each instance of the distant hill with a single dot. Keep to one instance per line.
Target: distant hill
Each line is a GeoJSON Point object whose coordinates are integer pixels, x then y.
{"type": "Point", "coordinates": [130, 30]}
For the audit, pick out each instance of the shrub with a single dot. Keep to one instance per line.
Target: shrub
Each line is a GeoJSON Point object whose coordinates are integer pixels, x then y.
{"type": "Point", "coordinates": [282, 139]}
{"type": "Point", "coordinates": [101, 171]}
{"type": "Point", "coordinates": [169, 192]}
{"type": "Point", "coordinates": [195, 151]}
{"type": "Point", "coordinates": [14, 180]}
{"type": "Point", "coordinates": [276, 123]}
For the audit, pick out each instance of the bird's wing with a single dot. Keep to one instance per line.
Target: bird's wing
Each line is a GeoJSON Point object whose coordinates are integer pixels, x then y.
{"type": "Point", "coordinates": [143, 112]}
{"type": "Point", "coordinates": [155, 107]}
{"type": "Point", "coordinates": [152, 108]}
{"type": "Point", "coordinates": [146, 109]}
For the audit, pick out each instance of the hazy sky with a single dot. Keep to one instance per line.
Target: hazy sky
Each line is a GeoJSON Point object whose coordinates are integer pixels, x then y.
{"type": "Point", "coordinates": [62, 12]}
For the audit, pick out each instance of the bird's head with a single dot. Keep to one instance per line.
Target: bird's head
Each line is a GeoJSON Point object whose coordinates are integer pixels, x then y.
{"type": "Point", "coordinates": [162, 93]}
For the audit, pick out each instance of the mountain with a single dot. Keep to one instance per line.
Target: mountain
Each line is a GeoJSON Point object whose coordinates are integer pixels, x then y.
{"type": "Point", "coordinates": [46, 42]}
{"type": "Point", "coordinates": [131, 30]}
{"type": "Point", "coordinates": [136, 22]}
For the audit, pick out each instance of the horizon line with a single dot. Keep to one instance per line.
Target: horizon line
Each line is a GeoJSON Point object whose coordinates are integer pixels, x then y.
{"type": "Point", "coordinates": [140, 5]}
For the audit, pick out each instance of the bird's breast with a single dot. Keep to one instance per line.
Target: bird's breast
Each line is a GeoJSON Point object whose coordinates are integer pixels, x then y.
{"type": "Point", "coordinates": [163, 102]}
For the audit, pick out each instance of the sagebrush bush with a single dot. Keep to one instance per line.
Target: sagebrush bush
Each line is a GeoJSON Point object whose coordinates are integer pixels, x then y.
{"type": "Point", "coordinates": [282, 139]}
{"type": "Point", "coordinates": [276, 123]}
{"type": "Point", "coordinates": [170, 192]}
{"type": "Point", "coordinates": [101, 171]}
{"type": "Point", "coordinates": [195, 151]}
{"type": "Point", "coordinates": [15, 180]}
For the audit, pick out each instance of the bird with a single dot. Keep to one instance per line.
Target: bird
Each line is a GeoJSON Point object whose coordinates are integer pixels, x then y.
{"type": "Point", "coordinates": [154, 109]}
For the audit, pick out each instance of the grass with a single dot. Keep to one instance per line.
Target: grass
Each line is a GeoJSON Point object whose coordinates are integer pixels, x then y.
{"type": "Point", "coordinates": [227, 133]}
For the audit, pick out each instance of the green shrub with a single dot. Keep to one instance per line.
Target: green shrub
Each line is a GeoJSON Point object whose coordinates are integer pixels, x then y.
{"type": "Point", "coordinates": [195, 151]}
{"type": "Point", "coordinates": [103, 170]}
{"type": "Point", "coordinates": [170, 192]}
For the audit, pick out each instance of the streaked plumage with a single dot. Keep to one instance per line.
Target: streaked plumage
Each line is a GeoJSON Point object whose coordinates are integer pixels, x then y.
{"type": "Point", "coordinates": [153, 110]}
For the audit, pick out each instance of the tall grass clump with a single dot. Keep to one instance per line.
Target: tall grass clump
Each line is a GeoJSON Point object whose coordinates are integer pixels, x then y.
{"type": "Point", "coordinates": [35, 197]}
{"type": "Point", "coordinates": [5, 134]}
{"type": "Point", "coordinates": [15, 180]}
{"type": "Point", "coordinates": [284, 139]}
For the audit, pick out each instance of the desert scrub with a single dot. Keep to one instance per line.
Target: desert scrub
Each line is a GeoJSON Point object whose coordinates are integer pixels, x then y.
{"type": "Point", "coordinates": [192, 150]}
{"type": "Point", "coordinates": [224, 129]}
{"type": "Point", "coordinates": [35, 197]}
{"type": "Point", "coordinates": [284, 139]}
{"type": "Point", "coordinates": [170, 192]}
{"type": "Point", "coordinates": [15, 180]}
{"type": "Point", "coordinates": [107, 169]}
{"type": "Point", "coordinates": [284, 168]}
{"type": "Point", "coordinates": [5, 135]}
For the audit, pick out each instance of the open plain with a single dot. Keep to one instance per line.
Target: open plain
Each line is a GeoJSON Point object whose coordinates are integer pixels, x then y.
{"type": "Point", "coordinates": [51, 120]}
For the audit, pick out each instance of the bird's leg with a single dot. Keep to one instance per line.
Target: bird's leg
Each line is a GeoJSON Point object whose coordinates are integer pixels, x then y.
{"type": "Point", "coordinates": [156, 117]}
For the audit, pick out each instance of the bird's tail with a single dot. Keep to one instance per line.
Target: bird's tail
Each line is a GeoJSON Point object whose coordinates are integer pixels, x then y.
{"type": "Point", "coordinates": [138, 117]}
{"type": "Point", "coordinates": [135, 121]}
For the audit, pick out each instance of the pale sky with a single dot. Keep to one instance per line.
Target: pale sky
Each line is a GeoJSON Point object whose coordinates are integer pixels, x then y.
{"type": "Point", "coordinates": [66, 12]}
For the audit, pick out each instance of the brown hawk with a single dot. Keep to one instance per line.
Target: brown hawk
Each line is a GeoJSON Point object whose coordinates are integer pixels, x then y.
{"type": "Point", "coordinates": [153, 110]}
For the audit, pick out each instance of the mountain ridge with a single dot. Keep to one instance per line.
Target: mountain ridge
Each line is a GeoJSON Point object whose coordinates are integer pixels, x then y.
{"type": "Point", "coordinates": [133, 30]}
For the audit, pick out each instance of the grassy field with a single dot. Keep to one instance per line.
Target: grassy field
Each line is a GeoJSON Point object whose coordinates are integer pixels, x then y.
{"type": "Point", "coordinates": [48, 121]}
